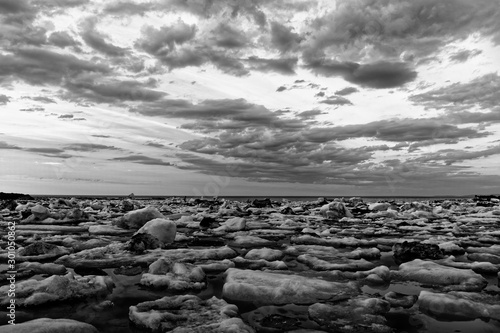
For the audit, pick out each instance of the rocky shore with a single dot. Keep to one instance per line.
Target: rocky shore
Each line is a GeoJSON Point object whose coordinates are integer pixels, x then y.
{"type": "Point", "coordinates": [178, 265]}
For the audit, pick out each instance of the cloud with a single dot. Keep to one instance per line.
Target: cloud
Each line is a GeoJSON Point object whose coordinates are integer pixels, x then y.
{"type": "Point", "coordinates": [96, 89]}
{"type": "Point", "coordinates": [141, 160]}
{"type": "Point", "coordinates": [89, 147]}
{"type": "Point", "coordinates": [451, 156]}
{"type": "Point", "coordinates": [281, 88]}
{"type": "Point", "coordinates": [42, 99]}
{"type": "Point", "coordinates": [283, 38]}
{"type": "Point", "coordinates": [379, 75]}
{"type": "Point", "coordinates": [229, 37]}
{"type": "Point", "coordinates": [464, 55]}
{"type": "Point", "coordinates": [33, 109]}
{"type": "Point", "coordinates": [336, 100]}
{"type": "Point", "coordinates": [394, 130]}
{"type": "Point", "coordinates": [14, 6]}
{"type": "Point", "coordinates": [62, 39]}
{"type": "Point", "coordinates": [49, 152]}
{"type": "Point", "coordinates": [160, 42]}
{"type": "Point", "coordinates": [128, 8]}
{"type": "Point", "coordinates": [283, 65]}
{"type": "Point", "coordinates": [66, 116]}
{"type": "Point", "coordinates": [5, 145]}
{"type": "Point", "coordinates": [385, 29]}
{"type": "Point", "coordinates": [480, 92]}
{"type": "Point", "coordinates": [346, 91]}
{"type": "Point", "coordinates": [39, 66]}
{"type": "Point", "coordinates": [4, 99]}
{"type": "Point", "coordinates": [97, 40]}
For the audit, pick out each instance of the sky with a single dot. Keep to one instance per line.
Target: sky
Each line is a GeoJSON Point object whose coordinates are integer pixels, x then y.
{"type": "Point", "coordinates": [250, 97]}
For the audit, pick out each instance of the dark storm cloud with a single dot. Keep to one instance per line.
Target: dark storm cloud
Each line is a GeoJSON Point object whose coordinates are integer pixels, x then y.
{"type": "Point", "coordinates": [284, 66]}
{"type": "Point", "coordinates": [89, 147]}
{"type": "Point", "coordinates": [228, 36]}
{"type": "Point", "coordinates": [311, 114]}
{"type": "Point", "coordinates": [481, 92]}
{"type": "Point", "coordinates": [97, 40]}
{"type": "Point", "coordinates": [141, 160]}
{"type": "Point", "coordinates": [128, 8]}
{"type": "Point", "coordinates": [450, 156]}
{"type": "Point", "coordinates": [419, 27]}
{"type": "Point", "coordinates": [160, 42]}
{"type": "Point", "coordinates": [281, 88]}
{"type": "Point", "coordinates": [66, 116]}
{"type": "Point", "coordinates": [394, 130]}
{"type": "Point", "coordinates": [336, 100]}
{"type": "Point", "coordinates": [56, 4]}
{"type": "Point", "coordinates": [283, 38]}
{"type": "Point", "coordinates": [212, 115]}
{"type": "Point", "coordinates": [62, 39]}
{"type": "Point", "coordinates": [464, 55]}
{"type": "Point", "coordinates": [346, 91]}
{"type": "Point", "coordinates": [39, 67]}
{"type": "Point", "coordinates": [4, 99]}
{"type": "Point", "coordinates": [375, 75]}
{"type": "Point", "coordinates": [108, 91]}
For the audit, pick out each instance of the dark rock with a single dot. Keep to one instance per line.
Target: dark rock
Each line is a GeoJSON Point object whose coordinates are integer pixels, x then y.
{"type": "Point", "coordinates": [408, 251]}
{"type": "Point", "coordinates": [261, 203]}
{"type": "Point", "coordinates": [8, 204]}
{"type": "Point", "coordinates": [141, 242]}
{"type": "Point", "coordinates": [208, 222]}
{"type": "Point", "coordinates": [38, 248]}
{"type": "Point", "coordinates": [127, 206]}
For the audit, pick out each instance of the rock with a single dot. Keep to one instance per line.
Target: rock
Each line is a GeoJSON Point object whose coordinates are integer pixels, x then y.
{"type": "Point", "coordinates": [137, 218]}
{"type": "Point", "coordinates": [408, 251]}
{"type": "Point", "coordinates": [58, 288]}
{"type": "Point", "coordinates": [459, 305]}
{"type": "Point", "coordinates": [264, 253]}
{"type": "Point", "coordinates": [40, 212]}
{"type": "Point", "coordinates": [141, 242]}
{"type": "Point", "coordinates": [335, 210]}
{"type": "Point", "coordinates": [173, 276]}
{"type": "Point", "coordinates": [432, 274]}
{"type": "Point", "coordinates": [400, 300]}
{"type": "Point", "coordinates": [40, 250]}
{"type": "Point", "coordinates": [235, 224]}
{"type": "Point", "coordinates": [188, 313]}
{"type": "Point", "coordinates": [126, 206]}
{"type": "Point", "coordinates": [273, 288]}
{"type": "Point", "coordinates": [357, 315]}
{"type": "Point", "coordinates": [164, 230]}
{"type": "Point", "coordinates": [45, 325]}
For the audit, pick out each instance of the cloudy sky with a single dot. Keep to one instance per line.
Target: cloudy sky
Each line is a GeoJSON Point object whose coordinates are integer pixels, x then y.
{"type": "Point", "coordinates": [250, 97]}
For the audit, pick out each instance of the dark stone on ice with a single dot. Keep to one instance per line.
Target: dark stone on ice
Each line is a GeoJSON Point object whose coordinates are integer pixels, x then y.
{"type": "Point", "coordinates": [82, 270]}
{"type": "Point", "coordinates": [287, 211]}
{"type": "Point", "coordinates": [208, 222]}
{"type": "Point", "coordinates": [8, 204]}
{"type": "Point", "coordinates": [261, 203]}
{"type": "Point", "coordinates": [408, 251]}
{"type": "Point", "coordinates": [141, 242]}
{"type": "Point", "coordinates": [38, 248]}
